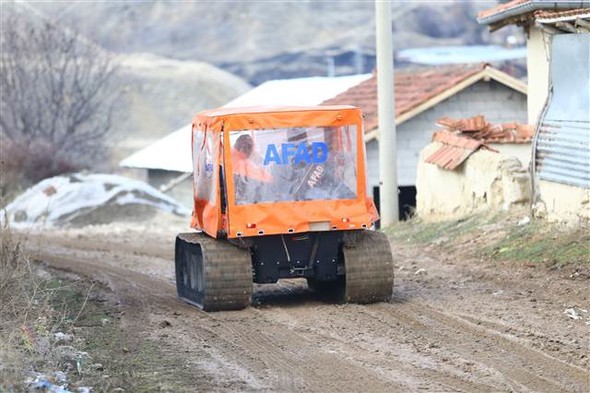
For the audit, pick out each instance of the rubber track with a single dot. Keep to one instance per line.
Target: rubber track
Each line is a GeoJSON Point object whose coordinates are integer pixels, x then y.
{"type": "Point", "coordinates": [227, 273]}
{"type": "Point", "coordinates": [369, 269]}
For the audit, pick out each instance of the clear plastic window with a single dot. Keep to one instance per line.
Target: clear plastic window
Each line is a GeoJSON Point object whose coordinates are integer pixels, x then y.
{"type": "Point", "coordinates": [205, 150]}
{"type": "Point", "coordinates": [293, 164]}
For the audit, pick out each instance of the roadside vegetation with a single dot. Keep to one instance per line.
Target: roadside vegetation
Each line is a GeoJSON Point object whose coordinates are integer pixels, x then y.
{"type": "Point", "coordinates": [57, 100]}
{"type": "Point", "coordinates": [501, 237]}
{"type": "Point", "coordinates": [58, 330]}
{"type": "Point", "coordinates": [38, 313]}
{"type": "Point", "coordinates": [25, 311]}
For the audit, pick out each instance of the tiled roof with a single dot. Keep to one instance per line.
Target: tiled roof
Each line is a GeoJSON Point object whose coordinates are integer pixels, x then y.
{"type": "Point", "coordinates": [523, 11]}
{"type": "Point", "coordinates": [454, 150]}
{"type": "Point", "coordinates": [462, 137]}
{"type": "Point", "coordinates": [501, 8]}
{"type": "Point", "coordinates": [412, 88]}
{"type": "Point", "coordinates": [478, 128]}
{"type": "Point", "coordinates": [551, 14]}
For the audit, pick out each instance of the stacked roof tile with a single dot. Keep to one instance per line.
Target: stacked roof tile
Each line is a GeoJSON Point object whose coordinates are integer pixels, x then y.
{"type": "Point", "coordinates": [462, 137]}
{"type": "Point", "coordinates": [478, 127]}
{"type": "Point", "coordinates": [454, 150]}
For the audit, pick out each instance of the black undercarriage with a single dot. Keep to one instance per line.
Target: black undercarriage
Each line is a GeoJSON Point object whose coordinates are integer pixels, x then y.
{"type": "Point", "coordinates": [217, 274]}
{"type": "Point", "coordinates": [315, 255]}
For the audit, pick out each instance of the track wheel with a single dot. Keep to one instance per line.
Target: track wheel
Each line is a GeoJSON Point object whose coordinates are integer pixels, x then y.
{"type": "Point", "coordinates": [368, 269]}
{"type": "Point", "coordinates": [212, 274]}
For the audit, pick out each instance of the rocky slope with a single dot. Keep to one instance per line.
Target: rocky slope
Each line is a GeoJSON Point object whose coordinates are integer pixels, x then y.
{"type": "Point", "coordinates": [264, 40]}
{"type": "Point", "coordinates": [161, 94]}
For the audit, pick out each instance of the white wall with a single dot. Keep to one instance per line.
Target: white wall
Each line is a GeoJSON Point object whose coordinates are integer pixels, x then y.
{"type": "Point", "coordinates": [498, 103]}
{"type": "Point", "coordinates": [538, 44]}
{"type": "Point", "coordinates": [522, 151]}
{"type": "Point", "coordinates": [562, 203]}
{"type": "Point", "coordinates": [486, 181]}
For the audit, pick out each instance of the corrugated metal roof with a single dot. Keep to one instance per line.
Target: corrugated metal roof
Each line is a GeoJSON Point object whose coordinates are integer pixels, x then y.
{"type": "Point", "coordinates": [502, 8]}
{"type": "Point", "coordinates": [563, 153]}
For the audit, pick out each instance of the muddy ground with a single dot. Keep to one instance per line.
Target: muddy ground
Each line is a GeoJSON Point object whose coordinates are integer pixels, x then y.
{"type": "Point", "coordinates": [456, 323]}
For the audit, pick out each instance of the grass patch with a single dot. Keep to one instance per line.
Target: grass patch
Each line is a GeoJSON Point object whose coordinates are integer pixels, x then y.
{"type": "Point", "coordinates": [27, 315]}
{"type": "Point", "coordinates": [38, 314]}
{"type": "Point", "coordinates": [100, 352]}
{"type": "Point", "coordinates": [501, 237]}
{"type": "Point", "coordinates": [539, 242]}
{"type": "Point", "coordinates": [418, 231]}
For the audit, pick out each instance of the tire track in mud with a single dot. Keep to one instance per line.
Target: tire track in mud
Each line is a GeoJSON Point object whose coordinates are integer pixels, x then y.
{"type": "Point", "coordinates": [292, 340]}
{"type": "Point", "coordinates": [245, 344]}
{"type": "Point", "coordinates": [521, 367]}
{"type": "Point", "coordinates": [147, 298]}
{"type": "Point", "coordinates": [291, 360]}
{"type": "Point", "coordinates": [373, 346]}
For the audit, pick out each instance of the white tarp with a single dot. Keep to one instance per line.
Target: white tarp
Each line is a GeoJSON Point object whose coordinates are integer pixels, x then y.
{"type": "Point", "coordinates": [62, 199]}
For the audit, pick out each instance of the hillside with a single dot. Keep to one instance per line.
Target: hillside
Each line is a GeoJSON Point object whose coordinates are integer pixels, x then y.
{"type": "Point", "coordinates": [264, 40]}
{"type": "Point", "coordinates": [161, 94]}
{"type": "Point", "coordinates": [155, 94]}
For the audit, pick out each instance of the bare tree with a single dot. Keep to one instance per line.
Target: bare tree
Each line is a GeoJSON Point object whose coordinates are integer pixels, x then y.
{"type": "Point", "coordinates": [56, 98]}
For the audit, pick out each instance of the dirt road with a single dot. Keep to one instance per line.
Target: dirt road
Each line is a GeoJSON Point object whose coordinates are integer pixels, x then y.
{"type": "Point", "coordinates": [453, 325]}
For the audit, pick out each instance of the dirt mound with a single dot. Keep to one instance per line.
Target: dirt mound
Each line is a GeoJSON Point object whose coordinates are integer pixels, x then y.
{"type": "Point", "coordinates": [87, 199]}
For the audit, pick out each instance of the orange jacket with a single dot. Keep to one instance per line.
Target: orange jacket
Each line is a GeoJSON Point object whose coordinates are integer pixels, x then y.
{"type": "Point", "coordinates": [241, 165]}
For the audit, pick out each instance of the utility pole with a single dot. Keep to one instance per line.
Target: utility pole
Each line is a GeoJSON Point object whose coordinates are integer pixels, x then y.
{"type": "Point", "coordinates": [388, 197]}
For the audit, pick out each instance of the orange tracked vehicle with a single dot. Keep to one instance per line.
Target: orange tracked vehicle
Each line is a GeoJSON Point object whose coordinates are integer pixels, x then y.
{"type": "Point", "coordinates": [280, 192]}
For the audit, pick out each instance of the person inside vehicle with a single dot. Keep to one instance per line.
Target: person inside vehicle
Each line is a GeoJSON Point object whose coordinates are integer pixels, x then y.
{"type": "Point", "coordinates": [248, 176]}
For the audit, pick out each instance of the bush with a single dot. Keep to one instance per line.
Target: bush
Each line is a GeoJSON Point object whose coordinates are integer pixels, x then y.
{"type": "Point", "coordinates": [56, 100]}
{"type": "Point", "coordinates": [27, 317]}
{"type": "Point", "coordinates": [26, 164]}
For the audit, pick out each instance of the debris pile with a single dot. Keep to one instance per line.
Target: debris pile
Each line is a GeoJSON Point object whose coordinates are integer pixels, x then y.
{"type": "Point", "coordinates": [477, 127]}
{"type": "Point", "coordinates": [84, 199]}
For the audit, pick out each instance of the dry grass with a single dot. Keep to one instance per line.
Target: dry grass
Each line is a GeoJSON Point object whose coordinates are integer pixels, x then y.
{"type": "Point", "coordinates": [29, 314]}
{"type": "Point", "coordinates": [501, 237]}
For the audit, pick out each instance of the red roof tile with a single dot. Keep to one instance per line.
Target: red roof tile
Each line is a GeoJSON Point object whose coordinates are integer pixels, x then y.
{"type": "Point", "coordinates": [516, 11]}
{"type": "Point", "coordinates": [412, 88]}
{"type": "Point", "coordinates": [462, 137]}
{"type": "Point", "coordinates": [454, 151]}
{"type": "Point", "coordinates": [478, 128]}
{"type": "Point", "coordinates": [551, 14]}
{"type": "Point", "coordinates": [501, 8]}
{"type": "Point", "coordinates": [475, 123]}
{"type": "Point", "coordinates": [454, 139]}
